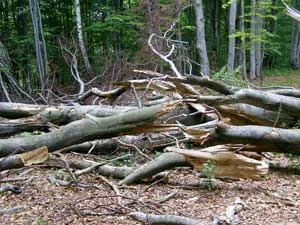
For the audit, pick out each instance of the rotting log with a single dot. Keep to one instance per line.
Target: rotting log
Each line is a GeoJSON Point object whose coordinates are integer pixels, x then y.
{"type": "Point", "coordinates": [91, 128]}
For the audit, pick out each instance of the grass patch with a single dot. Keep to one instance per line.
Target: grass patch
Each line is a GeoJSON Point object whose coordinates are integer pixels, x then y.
{"type": "Point", "coordinates": [281, 77]}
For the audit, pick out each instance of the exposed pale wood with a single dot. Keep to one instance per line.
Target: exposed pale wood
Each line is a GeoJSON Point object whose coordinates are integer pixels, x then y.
{"type": "Point", "coordinates": [164, 219]}
{"type": "Point", "coordinates": [228, 164]}
{"type": "Point", "coordinates": [36, 156]}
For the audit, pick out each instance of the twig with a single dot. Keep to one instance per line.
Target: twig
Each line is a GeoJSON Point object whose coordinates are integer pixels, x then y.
{"type": "Point", "coordinates": [278, 115]}
{"type": "Point", "coordinates": [67, 167]}
{"type": "Point", "coordinates": [94, 167]}
{"type": "Point", "coordinates": [136, 96]}
{"type": "Point", "coordinates": [135, 148]}
{"type": "Point", "coordinates": [12, 210]}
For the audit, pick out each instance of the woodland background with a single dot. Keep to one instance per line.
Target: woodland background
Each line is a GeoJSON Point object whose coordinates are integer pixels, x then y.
{"type": "Point", "coordinates": [41, 45]}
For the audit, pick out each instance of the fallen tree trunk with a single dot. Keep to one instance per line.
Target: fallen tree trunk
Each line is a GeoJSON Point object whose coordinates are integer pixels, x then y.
{"type": "Point", "coordinates": [161, 163]}
{"type": "Point", "coordinates": [25, 159]}
{"type": "Point", "coordinates": [164, 219]}
{"type": "Point", "coordinates": [269, 101]}
{"type": "Point", "coordinates": [18, 125]}
{"type": "Point", "coordinates": [267, 139]}
{"type": "Point", "coordinates": [244, 114]}
{"type": "Point", "coordinates": [228, 164]}
{"type": "Point", "coordinates": [58, 113]}
{"type": "Point", "coordinates": [89, 128]}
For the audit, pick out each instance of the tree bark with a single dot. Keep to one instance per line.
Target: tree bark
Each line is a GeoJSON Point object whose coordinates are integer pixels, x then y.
{"type": "Point", "coordinates": [258, 34]}
{"type": "Point", "coordinates": [39, 40]}
{"type": "Point", "coordinates": [89, 128]}
{"type": "Point", "coordinates": [269, 101]}
{"type": "Point", "coordinates": [243, 46]}
{"type": "Point", "coordinates": [231, 44]}
{"type": "Point", "coordinates": [201, 43]}
{"type": "Point", "coordinates": [266, 138]}
{"type": "Point", "coordinates": [295, 46]}
{"type": "Point", "coordinates": [253, 37]}
{"type": "Point", "coordinates": [86, 60]}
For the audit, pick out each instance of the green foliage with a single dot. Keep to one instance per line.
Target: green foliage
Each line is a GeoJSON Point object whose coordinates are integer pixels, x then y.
{"type": "Point", "coordinates": [209, 171]}
{"type": "Point", "coordinates": [113, 30]}
{"type": "Point", "coordinates": [231, 78]}
{"type": "Point", "coordinates": [127, 25]}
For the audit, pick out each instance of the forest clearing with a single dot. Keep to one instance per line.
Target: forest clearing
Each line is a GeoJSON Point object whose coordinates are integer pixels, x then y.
{"type": "Point", "coordinates": [158, 131]}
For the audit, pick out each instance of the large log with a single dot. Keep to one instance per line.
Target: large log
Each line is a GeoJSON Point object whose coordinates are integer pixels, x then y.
{"type": "Point", "coordinates": [60, 113]}
{"type": "Point", "coordinates": [38, 117]}
{"type": "Point", "coordinates": [269, 101]}
{"type": "Point", "coordinates": [90, 128]}
{"type": "Point", "coordinates": [266, 139]}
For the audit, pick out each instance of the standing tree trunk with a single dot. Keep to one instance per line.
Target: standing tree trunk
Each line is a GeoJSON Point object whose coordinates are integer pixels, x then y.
{"type": "Point", "coordinates": [215, 20]}
{"type": "Point", "coordinates": [39, 40]}
{"type": "Point", "coordinates": [231, 44]}
{"type": "Point", "coordinates": [201, 43]}
{"type": "Point", "coordinates": [153, 16]}
{"type": "Point", "coordinates": [242, 47]}
{"type": "Point", "coordinates": [252, 49]}
{"type": "Point", "coordinates": [258, 35]}
{"type": "Point", "coordinates": [80, 39]}
{"type": "Point", "coordinates": [294, 55]}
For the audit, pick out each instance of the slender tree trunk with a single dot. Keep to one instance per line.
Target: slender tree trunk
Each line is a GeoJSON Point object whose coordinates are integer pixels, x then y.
{"type": "Point", "coordinates": [258, 34]}
{"type": "Point", "coordinates": [201, 43]}
{"type": "Point", "coordinates": [294, 54]}
{"type": "Point", "coordinates": [231, 44]}
{"type": "Point", "coordinates": [215, 17]}
{"type": "Point", "coordinates": [252, 49]}
{"type": "Point", "coordinates": [39, 40]}
{"type": "Point", "coordinates": [242, 48]}
{"type": "Point", "coordinates": [87, 63]}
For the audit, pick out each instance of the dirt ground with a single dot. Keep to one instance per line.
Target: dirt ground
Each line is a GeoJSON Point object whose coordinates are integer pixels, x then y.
{"type": "Point", "coordinates": [275, 200]}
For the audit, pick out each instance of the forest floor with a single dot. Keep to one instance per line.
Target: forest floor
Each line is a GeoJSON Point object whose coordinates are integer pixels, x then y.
{"type": "Point", "coordinates": [275, 200]}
